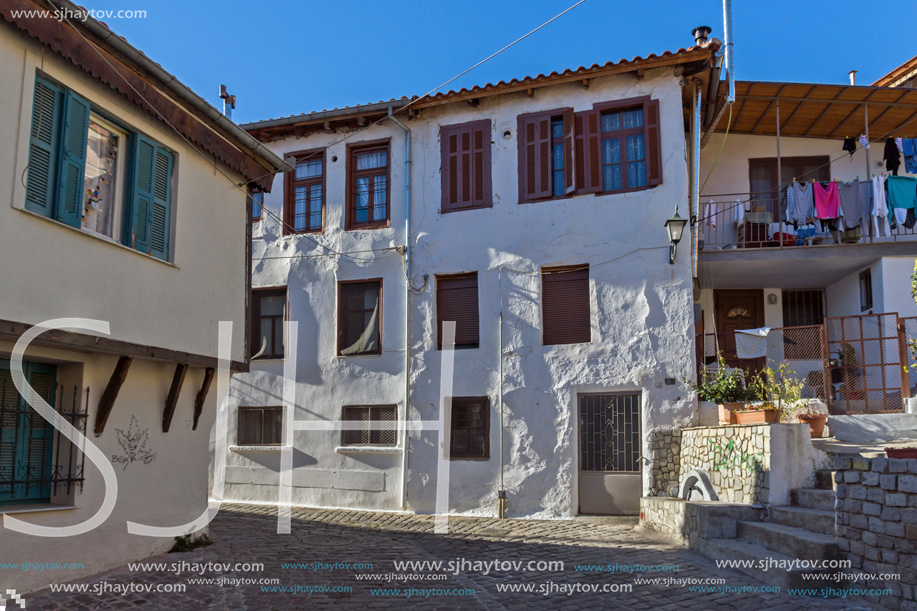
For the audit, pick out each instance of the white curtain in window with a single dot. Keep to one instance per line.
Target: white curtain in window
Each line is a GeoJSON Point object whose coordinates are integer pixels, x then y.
{"type": "Point", "coordinates": [367, 342]}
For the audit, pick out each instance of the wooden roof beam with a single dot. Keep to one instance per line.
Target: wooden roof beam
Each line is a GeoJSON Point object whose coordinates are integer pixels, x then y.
{"type": "Point", "coordinates": [172, 400]}
{"type": "Point", "coordinates": [107, 402]}
{"type": "Point", "coordinates": [793, 114]}
{"type": "Point", "coordinates": [822, 113]}
{"type": "Point", "coordinates": [767, 110]}
{"type": "Point", "coordinates": [850, 114]}
{"type": "Point", "coordinates": [202, 396]}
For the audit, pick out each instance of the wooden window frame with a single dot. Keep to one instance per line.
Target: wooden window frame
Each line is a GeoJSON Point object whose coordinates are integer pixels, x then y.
{"type": "Point", "coordinates": [341, 318]}
{"type": "Point", "coordinates": [262, 409]}
{"type": "Point", "coordinates": [643, 102]}
{"type": "Point", "coordinates": [256, 317]}
{"type": "Point", "coordinates": [865, 284]}
{"type": "Point", "coordinates": [348, 443]}
{"type": "Point", "coordinates": [547, 271]}
{"type": "Point", "coordinates": [383, 144]}
{"type": "Point", "coordinates": [290, 184]}
{"type": "Point", "coordinates": [485, 428]}
{"type": "Point", "coordinates": [569, 170]}
{"type": "Point", "coordinates": [445, 131]}
{"type": "Point", "coordinates": [439, 321]}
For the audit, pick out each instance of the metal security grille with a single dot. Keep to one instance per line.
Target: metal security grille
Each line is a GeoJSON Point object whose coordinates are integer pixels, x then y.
{"type": "Point", "coordinates": [260, 426]}
{"type": "Point", "coordinates": [35, 460]}
{"type": "Point", "coordinates": [803, 307]}
{"type": "Point", "coordinates": [610, 433]}
{"type": "Point", "coordinates": [378, 425]}
{"type": "Point", "coordinates": [910, 340]}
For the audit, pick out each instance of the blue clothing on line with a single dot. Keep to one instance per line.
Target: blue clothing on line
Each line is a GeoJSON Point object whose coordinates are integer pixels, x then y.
{"type": "Point", "coordinates": [910, 155]}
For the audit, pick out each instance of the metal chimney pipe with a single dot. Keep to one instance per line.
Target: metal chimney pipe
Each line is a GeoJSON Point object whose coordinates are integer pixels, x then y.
{"type": "Point", "coordinates": [853, 77]}
{"type": "Point", "coordinates": [727, 45]}
{"type": "Point", "coordinates": [700, 34]}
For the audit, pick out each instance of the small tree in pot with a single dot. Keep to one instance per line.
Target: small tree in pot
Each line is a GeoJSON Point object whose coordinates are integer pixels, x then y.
{"type": "Point", "coordinates": [781, 391]}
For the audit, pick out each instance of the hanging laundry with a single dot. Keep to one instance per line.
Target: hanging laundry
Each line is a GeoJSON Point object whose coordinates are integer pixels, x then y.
{"type": "Point", "coordinates": [902, 197]}
{"type": "Point", "coordinates": [864, 141]}
{"type": "Point", "coordinates": [864, 199]}
{"type": "Point", "coordinates": [892, 157]}
{"type": "Point", "coordinates": [899, 142]}
{"type": "Point", "coordinates": [848, 194]}
{"type": "Point", "coordinates": [910, 155]}
{"type": "Point", "coordinates": [850, 145]}
{"type": "Point", "coordinates": [803, 203]}
{"type": "Point", "coordinates": [879, 211]}
{"type": "Point", "coordinates": [826, 200]}
{"type": "Point", "coordinates": [710, 213]}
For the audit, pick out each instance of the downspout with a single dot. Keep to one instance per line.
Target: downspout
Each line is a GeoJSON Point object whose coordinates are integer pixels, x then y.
{"type": "Point", "coordinates": [696, 176]}
{"type": "Point", "coordinates": [502, 503]}
{"type": "Point", "coordinates": [730, 59]}
{"type": "Point", "coordinates": [407, 307]}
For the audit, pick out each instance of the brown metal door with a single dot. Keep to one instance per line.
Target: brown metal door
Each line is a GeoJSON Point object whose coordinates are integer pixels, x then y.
{"type": "Point", "coordinates": [736, 310]}
{"type": "Point", "coordinates": [610, 469]}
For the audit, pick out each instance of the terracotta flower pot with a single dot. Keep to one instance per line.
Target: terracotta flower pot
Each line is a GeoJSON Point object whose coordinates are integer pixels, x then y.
{"type": "Point", "coordinates": [728, 412]}
{"type": "Point", "coordinates": [758, 416]}
{"type": "Point", "coordinates": [816, 423]}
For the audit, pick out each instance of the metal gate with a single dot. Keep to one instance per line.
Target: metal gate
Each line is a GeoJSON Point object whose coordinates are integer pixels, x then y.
{"type": "Point", "coordinates": [610, 469]}
{"type": "Point", "coordinates": [866, 364]}
{"type": "Point", "coordinates": [909, 332]}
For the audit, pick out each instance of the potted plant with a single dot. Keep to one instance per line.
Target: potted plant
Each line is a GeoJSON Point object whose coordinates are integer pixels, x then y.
{"type": "Point", "coordinates": [724, 386]}
{"type": "Point", "coordinates": [816, 420]}
{"type": "Point", "coordinates": [780, 389]}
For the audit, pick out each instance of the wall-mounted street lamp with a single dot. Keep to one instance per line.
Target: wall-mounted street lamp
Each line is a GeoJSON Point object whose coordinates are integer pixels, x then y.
{"type": "Point", "coordinates": [676, 227]}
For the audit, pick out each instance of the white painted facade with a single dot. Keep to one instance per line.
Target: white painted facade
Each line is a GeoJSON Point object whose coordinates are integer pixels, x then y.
{"type": "Point", "coordinates": [640, 315]}
{"type": "Point", "coordinates": [51, 270]}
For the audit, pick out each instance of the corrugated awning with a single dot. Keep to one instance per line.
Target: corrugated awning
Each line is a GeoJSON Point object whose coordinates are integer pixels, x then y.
{"type": "Point", "coordinates": [821, 111]}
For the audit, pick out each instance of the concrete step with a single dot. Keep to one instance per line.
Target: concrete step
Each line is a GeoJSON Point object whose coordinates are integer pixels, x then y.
{"type": "Point", "coordinates": [816, 520]}
{"type": "Point", "coordinates": [794, 542]}
{"type": "Point", "coordinates": [824, 480]}
{"type": "Point", "coordinates": [873, 427]}
{"type": "Point", "coordinates": [765, 564]}
{"type": "Point", "coordinates": [813, 499]}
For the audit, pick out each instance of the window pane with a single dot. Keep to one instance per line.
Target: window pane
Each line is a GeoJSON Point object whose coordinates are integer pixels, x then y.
{"type": "Point", "coordinates": [272, 426]}
{"type": "Point", "coordinates": [611, 179]}
{"type": "Point", "coordinates": [299, 201]}
{"type": "Point", "coordinates": [250, 427]}
{"type": "Point", "coordinates": [277, 347]}
{"type": "Point", "coordinates": [257, 200]}
{"type": "Point", "coordinates": [557, 160]}
{"type": "Point", "coordinates": [266, 346]}
{"type": "Point", "coordinates": [557, 185]}
{"type": "Point", "coordinates": [99, 178]}
{"type": "Point", "coordinates": [360, 322]}
{"type": "Point", "coordinates": [611, 122]}
{"type": "Point", "coordinates": [557, 129]}
{"type": "Point", "coordinates": [315, 220]}
{"type": "Point", "coordinates": [379, 197]}
{"type": "Point", "coordinates": [362, 192]}
{"type": "Point", "coordinates": [611, 150]}
{"type": "Point", "coordinates": [636, 147]}
{"type": "Point", "coordinates": [272, 305]}
{"type": "Point", "coordinates": [309, 169]}
{"type": "Point", "coordinates": [367, 161]}
{"type": "Point", "coordinates": [636, 174]}
{"type": "Point", "coordinates": [315, 195]}
{"type": "Point", "coordinates": [633, 118]}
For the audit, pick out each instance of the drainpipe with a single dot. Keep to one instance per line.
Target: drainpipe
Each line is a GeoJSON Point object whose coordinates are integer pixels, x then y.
{"type": "Point", "coordinates": [407, 306]}
{"type": "Point", "coordinates": [696, 175]}
{"type": "Point", "coordinates": [727, 44]}
{"type": "Point", "coordinates": [501, 493]}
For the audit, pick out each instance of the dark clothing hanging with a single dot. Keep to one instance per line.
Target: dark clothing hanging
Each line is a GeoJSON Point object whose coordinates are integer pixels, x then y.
{"type": "Point", "coordinates": [850, 145]}
{"type": "Point", "coordinates": [892, 156]}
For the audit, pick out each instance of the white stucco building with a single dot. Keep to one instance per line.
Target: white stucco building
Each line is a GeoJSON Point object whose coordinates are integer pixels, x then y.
{"type": "Point", "coordinates": [541, 201]}
{"type": "Point", "coordinates": [104, 206]}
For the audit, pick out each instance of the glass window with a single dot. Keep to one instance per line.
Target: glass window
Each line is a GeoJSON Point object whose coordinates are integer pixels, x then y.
{"type": "Point", "coordinates": [369, 184]}
{"type": "Point", "coordinates": [306, 212]}
{"type": "Point", "coordinates": [470, 428]}
{"type": "Point", "coordinates": [557, 157]}
{"type": "Point", "coordinates": [623, 150]}
{"type": "Point", "coordinates": [359, 326]}
{"type": "Point", "coordinates": [102, 176]}
{"type": "Point", "coordinates": [257, 203]}
{"type": "Point", "coordinates": [268, 314]}
{"type": "Point", "coordinates": [376, 425]}
{"type": "Point", "coordinates": [260, 426]}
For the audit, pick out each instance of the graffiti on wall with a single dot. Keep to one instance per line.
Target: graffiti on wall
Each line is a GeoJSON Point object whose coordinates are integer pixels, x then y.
{"type": "Point", "coordinates": [134, 444]}
{"type": "Point", "coordinates": [731, 456]}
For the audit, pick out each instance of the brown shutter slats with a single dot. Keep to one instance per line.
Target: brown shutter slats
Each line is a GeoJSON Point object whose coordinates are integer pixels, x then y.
{"type": "Point", "coordinates": [594, 183]}
{"type": "Point", "coordinates": [465, 150]}
{"type": "Point", "coordinates": [544, 157]}
{"type": "Point", "coordinates": [534, 133]}
{"type": "Point", "coordinates": [653, 143]}
{"type": "Point", "coordinates": [457, 300]}
{"type": "Point", "coordinates": [565, 305]}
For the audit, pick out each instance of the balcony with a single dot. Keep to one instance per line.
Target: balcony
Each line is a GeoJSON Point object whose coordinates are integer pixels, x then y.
{"type": "Point", "coordinates": [741, 245]}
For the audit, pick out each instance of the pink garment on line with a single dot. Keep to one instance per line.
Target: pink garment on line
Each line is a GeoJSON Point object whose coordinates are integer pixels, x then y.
{"type": "Point", "coordinates": [827, 201]}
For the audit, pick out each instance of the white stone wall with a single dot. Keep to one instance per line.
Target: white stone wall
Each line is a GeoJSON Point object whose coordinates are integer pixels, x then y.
{"type": "Point", "coordinates": [641, 312]}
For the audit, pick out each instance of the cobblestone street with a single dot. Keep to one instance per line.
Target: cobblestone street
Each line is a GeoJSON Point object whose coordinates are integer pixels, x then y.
{"type": "Point", "coordinates": [247, 534]}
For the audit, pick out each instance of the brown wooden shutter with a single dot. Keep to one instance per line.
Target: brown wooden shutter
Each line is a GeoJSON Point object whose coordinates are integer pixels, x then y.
{"type": "Point", "coordinates": [653, 143]}
{"type": "Point", "coordinates": [534, 132]}
{"type": "Point", "coordinates": [565, 305]}
{"type": "Point", "coordinates": [466, 167]}
{"type": "Point", "coordinates": [587, 150]}
{"type": "Point", "coordinates": [457, 300]}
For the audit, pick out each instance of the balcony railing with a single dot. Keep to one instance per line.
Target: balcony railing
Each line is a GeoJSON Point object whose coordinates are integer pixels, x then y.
{"type": "Point", "coordinates": [754, 224]}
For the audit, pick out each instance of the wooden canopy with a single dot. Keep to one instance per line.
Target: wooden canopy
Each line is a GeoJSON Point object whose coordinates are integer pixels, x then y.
{"type": "Point", "coordinates": [821, 111]}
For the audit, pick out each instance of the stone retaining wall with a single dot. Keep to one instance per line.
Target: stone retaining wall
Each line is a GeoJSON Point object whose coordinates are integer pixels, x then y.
{"type": "Point", "coordinates": [689, 521]}
{"type": "Point", "coordinates": [877, 523]}
{"type": "Point", "coordinates": [665, 456]}
{"type": "Point", "coordinates": [737, 459]}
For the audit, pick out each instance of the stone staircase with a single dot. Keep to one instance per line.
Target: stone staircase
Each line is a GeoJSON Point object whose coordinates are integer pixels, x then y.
{"type": "Point", "coordinates": [803, 530]}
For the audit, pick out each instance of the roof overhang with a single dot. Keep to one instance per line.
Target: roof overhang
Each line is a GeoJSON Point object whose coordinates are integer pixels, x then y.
{"type": "Point", "coordinates": [95, 49]}
{"type": "Point", "coordinates": [698, 62]}
{"type": "Point", "coordinates": [820, 110]}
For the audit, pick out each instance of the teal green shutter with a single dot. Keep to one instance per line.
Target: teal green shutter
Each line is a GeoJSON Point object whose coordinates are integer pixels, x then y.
{"type": "Point", "coordinates": [161, 211]}
{"type": "Point", "coordinates": [73, 160]}
{"type": "Point", "coordinates": [144, 155]}
{"type": "Point", "coordinates": [47, 108]}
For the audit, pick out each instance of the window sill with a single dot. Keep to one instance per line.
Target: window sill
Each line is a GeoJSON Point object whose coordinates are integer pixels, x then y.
{"type": "Point", "coordinates": [37, 508]}
{"type": "Point", "coordinates": [97, 236]}
{"type": "Point", "coordinates": [451, 210]}
{"type": "Point", "coordinates": [259, 448]}
{"type": "Point", "coordinates": [368, 449]}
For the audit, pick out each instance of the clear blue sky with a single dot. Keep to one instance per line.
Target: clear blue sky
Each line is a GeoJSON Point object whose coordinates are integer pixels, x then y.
{"type": "Point", "coordinates": [282, 58]}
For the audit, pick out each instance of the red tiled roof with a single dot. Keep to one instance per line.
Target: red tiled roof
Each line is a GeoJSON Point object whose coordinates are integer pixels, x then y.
{"type": "Point", "coordinates": [899, 72]}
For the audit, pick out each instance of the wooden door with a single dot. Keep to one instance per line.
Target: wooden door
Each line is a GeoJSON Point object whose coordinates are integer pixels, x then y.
{"type": "Point", "coordinates": [735, 310]}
